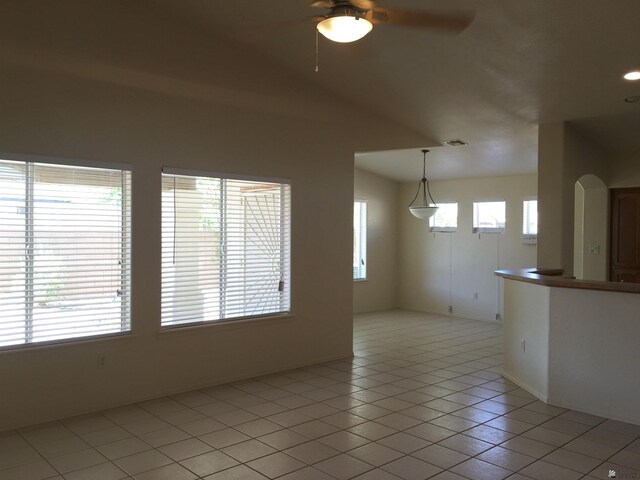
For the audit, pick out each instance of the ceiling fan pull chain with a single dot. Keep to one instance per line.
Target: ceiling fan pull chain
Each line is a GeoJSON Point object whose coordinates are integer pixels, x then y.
{"type": "Point", "coordinates": [317, 67]}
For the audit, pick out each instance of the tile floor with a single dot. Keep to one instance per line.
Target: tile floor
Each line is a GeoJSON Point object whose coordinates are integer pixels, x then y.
{"type": "Point", "coordinates": [422, 398]}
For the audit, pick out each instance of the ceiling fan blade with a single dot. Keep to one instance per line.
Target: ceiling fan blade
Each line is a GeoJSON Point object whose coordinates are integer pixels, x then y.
{"type": "Point", "coordinates": [321, 4]}
{"type": "Point", "coordinates": [452, 22]}
{"type": "Point", "coordinates": [363, 4]}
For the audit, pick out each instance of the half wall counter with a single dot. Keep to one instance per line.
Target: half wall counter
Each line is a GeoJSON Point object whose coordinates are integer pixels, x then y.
{"type": "Point", "coordinates": [573, 343]}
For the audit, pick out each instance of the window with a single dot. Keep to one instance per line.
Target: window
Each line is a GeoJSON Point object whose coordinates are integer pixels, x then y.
{"type": "Point", "coordinates": [445, 218]}
{"type": "Point", "coordinates": [359, 240]}
{"type": "Point", "coordinates": [489, 217]}
{"type": "Point", "coordinates": [530, 222]}
{"type": "Point", "coordinates": [225, 248]}
{"type": "Point", "coordinates": [64, 252]}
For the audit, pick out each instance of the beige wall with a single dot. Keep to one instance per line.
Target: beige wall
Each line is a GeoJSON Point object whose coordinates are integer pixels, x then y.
{"type": "Point", "coordinates": [378, 291]}
{"type": "Point", "coordinates": [564, 155]}
{"type": "Point", "coordinates": [625, 171]}
{"type": "Point", "coordinates": [442, 269]}
{"type": "Point", "coordinates": [139, 89]}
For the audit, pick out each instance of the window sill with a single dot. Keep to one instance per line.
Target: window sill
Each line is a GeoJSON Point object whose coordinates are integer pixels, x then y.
{"type": "Point", "coordinates": [231, 324]}
{"type": "Point", "coordinates": [67, 342]}
{"type": "Point", "coordinates": [488, 230]}
{"type": "Point", "coordinates": [360, 280]}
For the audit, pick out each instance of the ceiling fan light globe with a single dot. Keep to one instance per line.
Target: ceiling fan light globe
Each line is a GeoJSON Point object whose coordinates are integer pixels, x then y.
{"type": "Point", "coordinates": [423, 213]}
{"type": "Point", "coordinates": [344, 28]}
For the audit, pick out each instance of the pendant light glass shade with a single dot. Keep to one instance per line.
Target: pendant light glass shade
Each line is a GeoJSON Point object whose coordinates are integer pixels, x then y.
{"type": "Point", "coordinates": [344, 28]}
{"type": "Point", "coordinates": [423, 213]}
{"type": "Point", "coordinates": [425, 210]}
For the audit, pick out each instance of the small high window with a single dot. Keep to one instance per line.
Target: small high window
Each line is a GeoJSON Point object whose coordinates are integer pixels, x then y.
{"type": "Point", "coordinates": [359, 240]}
{"type": "Point", "coordinates": [445, 218]}
{"type": "Point", "coordinates": [530, 222]}
{"type": "Point", "coordinates": [489, 217]}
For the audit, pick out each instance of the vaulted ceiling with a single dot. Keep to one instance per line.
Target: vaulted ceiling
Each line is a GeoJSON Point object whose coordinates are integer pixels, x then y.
{"type": "Point", "coordinates": [519, 64]}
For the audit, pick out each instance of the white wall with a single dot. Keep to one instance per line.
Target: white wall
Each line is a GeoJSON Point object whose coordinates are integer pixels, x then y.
{"type": "Point", "coordinates": [132, 86]}
{"type": "Point", "coordinates": [593, 352]}
{"type": "Point", "coordinates": [442, 269]}
{"type": "Point", "coordinates": [526, 319]}
{"type": "Point", "coordinates": [378, 291]}
{"type": "Point", "coordinates": [580, 347]}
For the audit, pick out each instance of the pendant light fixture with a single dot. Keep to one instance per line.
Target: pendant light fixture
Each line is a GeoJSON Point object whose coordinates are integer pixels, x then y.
{"type": "Point", "coordinates": [425, 210]}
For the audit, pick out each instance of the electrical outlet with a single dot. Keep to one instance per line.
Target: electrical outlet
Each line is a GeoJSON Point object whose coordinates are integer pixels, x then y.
{"type": "Point", "coordinates": [450, 308]}
{"type": "Point", "coordinates": [102, 360]}
{"type": "Point", "coordinates": [594, 249]}
{"type": "Point", "coordinates": [523, 345]}
{"type": "Point", "coordinates": [475, 296]}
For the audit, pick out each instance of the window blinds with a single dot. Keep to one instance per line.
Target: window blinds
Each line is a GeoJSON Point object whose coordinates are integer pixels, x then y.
{"type": "Point", "coordinates": [225, 248]}
{"type": "Point", "coordinates": [64, 252]}
{"type": "Point", "coordinates": [359, 240]}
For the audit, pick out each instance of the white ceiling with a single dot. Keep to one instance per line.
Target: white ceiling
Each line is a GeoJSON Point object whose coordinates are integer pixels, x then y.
{"type": "Point", "coordinates": [519, 64]}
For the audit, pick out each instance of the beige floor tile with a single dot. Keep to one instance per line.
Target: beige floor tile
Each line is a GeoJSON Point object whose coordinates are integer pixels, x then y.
{"type": "Point", "coordinates": [31, 471]}
{"type": "Point", "coordinates": [312, 452]}
{"type": "Point", "coordinates": [440, 456]}
{"type": "Point", "coordinates": [123, 448]}
{"type": "Point", "coordinates": [164, 436]}
{"type": "Point", "coordinates": [76, 460]}
{"type": "Point", "coordinates": [249, 450]}
{"type": "Point", "coordinates": [168, 472]}
{"type": "Point", "coordinates": [141, 462]}
{"type": "Point", "coordinates": [375, 454]}
{"type": "Point", "coordinates": [208, 463]}
{"type": "Point", "coordinates": [224, 438]}
{"type": "Point", "coordinates": [403, 442]}
{"type": "Point", "coordinates": [276, 465]}
{"type": "Point", "coordinates": [467, 445]}
{"type": "Point", "coordinates": [259, 427]}
{"type": "Point", "coordinates": [505, 458]}
{"type": "Point", "coordinates": [541, 470]}
{"type": "Point", "coordinates": [241, 472]}
{"type": "Point", "coordinates": [343, 467]}
{"type": "Point", "coordinates": [410, 468]}
{"type": "Point", "coordinates": [185, 449]}
{"type": "Point", "coordinates": [283, 439]}
{"type": "Point", "coordinates": [308, 473]}
{"type": "Point", "coordinates": [572, 460]}
{"type": "Point", "coordinates": [104, 471]}
{"type": "Point", "coordinates": [479, 470]}
{"type": "Point", "coordinates": [627, 458]}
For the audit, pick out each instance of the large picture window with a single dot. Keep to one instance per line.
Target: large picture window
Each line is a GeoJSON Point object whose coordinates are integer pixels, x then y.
{"type": "Point", "coordinates": [64, 252]}
{"type": "Point", "coordinates": [225, 248]}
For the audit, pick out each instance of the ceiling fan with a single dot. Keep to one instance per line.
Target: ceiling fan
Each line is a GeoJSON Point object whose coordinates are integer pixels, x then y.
{"type": "Point", "coordinates": [350, 20]}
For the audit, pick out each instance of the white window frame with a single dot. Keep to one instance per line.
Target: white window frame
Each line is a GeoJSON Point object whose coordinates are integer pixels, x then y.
{"type": "Point", "coordinates": [61, 327]}
{"type": "Point", "coordinates": [475, 219]}
{"type": "Point", "coordinates": [221, 313]}
{"type": "Point", "coordinates": [441, 229]}
{"type": "Point", "coordinates": [360, 207]}
{"type": "Point", "coordinates": [528, 238]}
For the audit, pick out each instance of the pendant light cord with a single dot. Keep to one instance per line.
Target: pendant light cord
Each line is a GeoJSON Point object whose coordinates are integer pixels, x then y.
{"type": "Point", "coordinates": [424, 182]}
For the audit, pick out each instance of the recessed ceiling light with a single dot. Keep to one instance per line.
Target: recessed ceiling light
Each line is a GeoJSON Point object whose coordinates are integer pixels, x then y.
{"type": "Point", "coordinates": [635, 75]}
{"type": "Point", "coordinates": [456, 143]}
